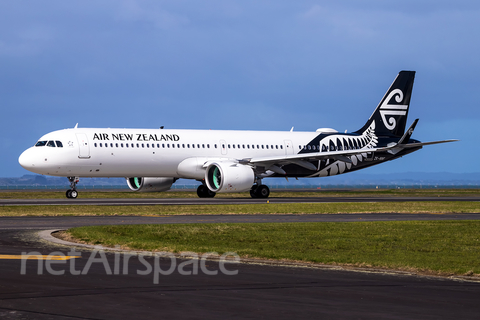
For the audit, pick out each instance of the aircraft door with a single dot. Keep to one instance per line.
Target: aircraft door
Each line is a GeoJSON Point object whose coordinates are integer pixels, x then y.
{"type": "Point", "coordinates": [288, 147]}
{"type": "Point", "coordinates": [223, 146]}
{"type": "Point", "coordinates": [83, 147]}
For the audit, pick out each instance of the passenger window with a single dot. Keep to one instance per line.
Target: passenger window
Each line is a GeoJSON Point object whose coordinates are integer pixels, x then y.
{"type": "Point", "coordinates": [138, 146]}
{"type": "Point", "coordinates": [143, 146]}
{"type": "Point", "coordinates": [233, 146]}
{"type": "Point", "coordinates": [95, 144]}
{"type": "Point", "coordinates": [116, 145]}
{"type": "Point", "coordinates": [266, 146]}
{"type": "Point", "coordinates": [203, 146]}
{"type": "Point", "coordinates": [193, 146]}
{"type": "Point", "coordinates": [121, 145]}
{"type": "Point", "coordinates": [126, 145]}
{"type": "Point", "coordinates": [101, 145]}
{"type": "Point", "coordinates": [50, 144]}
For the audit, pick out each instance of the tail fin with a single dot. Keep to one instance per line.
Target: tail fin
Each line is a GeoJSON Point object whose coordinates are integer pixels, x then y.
{"type": "Point", "coordinates": [390, 116]}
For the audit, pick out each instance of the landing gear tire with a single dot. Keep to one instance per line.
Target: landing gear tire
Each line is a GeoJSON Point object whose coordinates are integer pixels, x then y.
{"type": "Point", "coordinates": [204, 192]}
{"type": "Point", "coordinates": [72, 194]}
{"type": "Point", "coordinates": [261, 191]}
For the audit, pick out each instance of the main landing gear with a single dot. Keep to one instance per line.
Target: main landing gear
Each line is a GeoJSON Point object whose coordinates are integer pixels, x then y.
{"type": "Point", "coordinates": [204, 192]}
{"type": "Point", "coordinates": [259, 191]}
{"type": "Point", "coordinates": [72, 193]}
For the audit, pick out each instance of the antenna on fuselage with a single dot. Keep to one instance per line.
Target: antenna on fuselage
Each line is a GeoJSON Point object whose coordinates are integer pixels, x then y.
{"type": "Point", "coordinates": [291, 130]}
{"type": "Point", "coordinates": [76, 126]}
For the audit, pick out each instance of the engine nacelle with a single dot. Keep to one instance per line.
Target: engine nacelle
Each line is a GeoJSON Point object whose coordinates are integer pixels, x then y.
{"type": "Point", "coordinates": [229, 177]}
{"type": "Point", "coordinates": [150, 184]}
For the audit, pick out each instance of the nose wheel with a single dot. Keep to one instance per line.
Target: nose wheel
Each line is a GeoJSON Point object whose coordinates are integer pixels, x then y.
{"type": "Point", "coordinates": [72, 193]}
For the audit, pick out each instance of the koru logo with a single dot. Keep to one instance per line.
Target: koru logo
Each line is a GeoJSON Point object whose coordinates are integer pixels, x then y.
{"type": "Point", "coordinates": [393, 109]}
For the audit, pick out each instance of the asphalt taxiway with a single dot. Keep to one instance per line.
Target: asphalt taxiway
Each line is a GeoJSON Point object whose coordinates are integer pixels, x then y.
{"type": "Point", "coordinates": [257, 291]}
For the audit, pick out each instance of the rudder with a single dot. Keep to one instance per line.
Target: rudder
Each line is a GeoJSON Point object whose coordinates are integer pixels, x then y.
{"type": "Point", "coordinates": [390, 116]}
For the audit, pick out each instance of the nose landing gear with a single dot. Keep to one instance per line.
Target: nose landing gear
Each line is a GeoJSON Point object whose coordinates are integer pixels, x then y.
{"type": "Point", "coordinates": [72, 193]}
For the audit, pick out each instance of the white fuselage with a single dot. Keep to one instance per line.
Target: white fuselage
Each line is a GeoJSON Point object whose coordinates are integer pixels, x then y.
{"type": "Point", "coordinates": [90, 152]}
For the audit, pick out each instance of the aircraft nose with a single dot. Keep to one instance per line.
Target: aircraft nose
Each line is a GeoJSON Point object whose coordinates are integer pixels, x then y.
{"type": "Point", "coordinates": [27, 159]}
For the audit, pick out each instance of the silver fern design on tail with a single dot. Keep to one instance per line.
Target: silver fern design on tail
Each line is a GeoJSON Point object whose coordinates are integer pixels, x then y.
{"type": "Point", "coordinates": [366, 141]}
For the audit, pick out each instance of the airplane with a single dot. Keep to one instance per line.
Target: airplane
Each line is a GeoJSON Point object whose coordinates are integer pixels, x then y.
{"type": "Point", "coordinates": [226, 160]}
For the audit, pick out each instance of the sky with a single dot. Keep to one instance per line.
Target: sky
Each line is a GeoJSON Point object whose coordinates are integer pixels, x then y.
{"type": "Point", "coordinates": [255, 65]}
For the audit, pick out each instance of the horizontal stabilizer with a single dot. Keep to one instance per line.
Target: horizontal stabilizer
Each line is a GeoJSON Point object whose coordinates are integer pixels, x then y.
{"type": "Point", "coordinates": [408, 133]}
{"type": "Point", "coordinates": [421, 144]}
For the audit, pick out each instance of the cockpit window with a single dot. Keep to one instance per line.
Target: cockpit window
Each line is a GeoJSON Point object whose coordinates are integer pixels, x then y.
{"type": "Point", "coordinates": [41, 143]}
{"type": "Point", "coordinates": [59, 144]}
{"type": "Point", "coordinates": [51, 144]}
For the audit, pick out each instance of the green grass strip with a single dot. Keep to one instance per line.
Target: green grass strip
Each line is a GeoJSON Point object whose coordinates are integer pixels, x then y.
{"type": "Point", "coordinates": [439, 247]}
{"type": "Point", "coordinates": [270, 208]}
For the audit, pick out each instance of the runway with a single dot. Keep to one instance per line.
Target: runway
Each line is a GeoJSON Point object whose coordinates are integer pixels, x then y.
{"type": "Point", "coordinates": [211, 201]}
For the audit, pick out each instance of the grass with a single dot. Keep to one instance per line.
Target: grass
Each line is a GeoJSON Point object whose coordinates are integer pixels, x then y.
{"type": "Point", "coordinates": [270, 208]}
{"type": "Point", "coordinates": [438, 247]}
{"type": "Point", "coordinates": [94, 194]}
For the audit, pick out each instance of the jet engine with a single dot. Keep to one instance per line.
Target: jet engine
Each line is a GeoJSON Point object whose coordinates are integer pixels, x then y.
{"type": "Point", "coordinates": [229, 177]}
{"type": "Point", "coordinates": [149, 184]}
